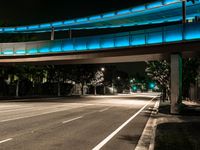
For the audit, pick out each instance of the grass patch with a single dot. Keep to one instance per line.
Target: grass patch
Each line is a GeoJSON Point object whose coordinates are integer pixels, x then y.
{"type": "Point", "coordinates": [178, 136]}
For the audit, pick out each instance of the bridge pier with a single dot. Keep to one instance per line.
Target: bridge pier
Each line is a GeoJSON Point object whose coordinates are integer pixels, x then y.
{"type": "Point", "coordinates": [176, 82]}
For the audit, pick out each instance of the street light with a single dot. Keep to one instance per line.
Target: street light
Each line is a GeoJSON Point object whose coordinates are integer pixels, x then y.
{"type": "Point", "coordinates": [183, 11]}
{"type": "Point", "coordinates": [103, 69]}
{"type": "Point", "coordinates": [118, 77]}
{"type": "Point", "coordinates": [104, 87]}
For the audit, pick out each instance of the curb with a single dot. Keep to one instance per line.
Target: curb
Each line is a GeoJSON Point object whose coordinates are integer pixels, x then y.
{"type": "Point", "coordinates": [146, 141]}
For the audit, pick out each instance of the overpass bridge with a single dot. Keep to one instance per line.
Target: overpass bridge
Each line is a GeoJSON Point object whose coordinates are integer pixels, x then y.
{"type": "Point", "coordinates": [164, 42]}
{"type": "Point", "coordinates": [161, 11]}
{"type": "Point", "coordinates": [148, 44]}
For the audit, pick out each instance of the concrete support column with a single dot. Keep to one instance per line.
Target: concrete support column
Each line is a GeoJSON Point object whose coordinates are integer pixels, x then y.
{"type": "Point", "coordinates": [176, 82]}
{"type": "Point", "coordinates": [52, 33]}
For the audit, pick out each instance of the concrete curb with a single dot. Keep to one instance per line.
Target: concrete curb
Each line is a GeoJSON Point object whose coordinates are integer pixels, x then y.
{"type": "Point", "coordinates": [146, 141]}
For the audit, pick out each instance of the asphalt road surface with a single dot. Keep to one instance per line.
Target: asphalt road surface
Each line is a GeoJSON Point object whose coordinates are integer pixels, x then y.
{"type": "Point", "coordinates": [86, 123]}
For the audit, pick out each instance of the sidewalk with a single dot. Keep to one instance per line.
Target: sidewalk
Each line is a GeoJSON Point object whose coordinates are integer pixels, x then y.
{"type": "Point", "coordinates": [164, 131]}
{"type": "Point", "coordinates": [174, 132]}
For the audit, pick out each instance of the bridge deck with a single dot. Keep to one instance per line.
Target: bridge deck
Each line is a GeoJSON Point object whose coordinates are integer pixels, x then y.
{"type": "Point", "coordinates": [154, 36]}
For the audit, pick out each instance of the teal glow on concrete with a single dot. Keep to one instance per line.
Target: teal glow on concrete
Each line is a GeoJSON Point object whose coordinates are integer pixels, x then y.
{"type": "Point", "coordinates": [175, 33]}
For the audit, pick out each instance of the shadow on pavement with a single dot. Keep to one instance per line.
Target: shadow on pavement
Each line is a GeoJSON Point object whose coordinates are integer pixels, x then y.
{"type": "Point", "coordinates": [131, 139]}
{"type": "Point", "coordinates": [178, 136]}
{"type": "Point", "coordinates": [180, 131]}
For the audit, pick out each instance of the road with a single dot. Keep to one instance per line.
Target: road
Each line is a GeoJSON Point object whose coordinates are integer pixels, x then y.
{"type": "Point", "coordinates": [91, 122]}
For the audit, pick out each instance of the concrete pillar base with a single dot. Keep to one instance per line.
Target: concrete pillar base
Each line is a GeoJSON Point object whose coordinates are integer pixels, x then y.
{"type": "Point", "coordinates": [176, 82]}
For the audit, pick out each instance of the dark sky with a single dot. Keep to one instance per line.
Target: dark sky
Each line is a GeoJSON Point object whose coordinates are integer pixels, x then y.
{"type": "Point", "coordinates": [19, 12]}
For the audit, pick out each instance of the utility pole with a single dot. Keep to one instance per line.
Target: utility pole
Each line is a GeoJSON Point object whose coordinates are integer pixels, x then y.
{"type": "Point", "coordinates": [183, 11]}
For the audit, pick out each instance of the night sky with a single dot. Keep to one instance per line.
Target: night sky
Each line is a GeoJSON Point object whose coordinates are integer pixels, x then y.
{"type": "Point", "coordinates": [21, 12]}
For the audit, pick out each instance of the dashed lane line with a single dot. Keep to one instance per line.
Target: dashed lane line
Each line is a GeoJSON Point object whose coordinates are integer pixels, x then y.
{"type": "Point", "coordinates": [70, 120]}
{"type": "Point", "coordinates": [3, 141]}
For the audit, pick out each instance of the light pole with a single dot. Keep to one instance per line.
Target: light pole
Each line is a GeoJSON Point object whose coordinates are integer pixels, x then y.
{"type": "Point", "coordinates": [183, 11]}
{"type": "Point", "coordinates": [104, 87]}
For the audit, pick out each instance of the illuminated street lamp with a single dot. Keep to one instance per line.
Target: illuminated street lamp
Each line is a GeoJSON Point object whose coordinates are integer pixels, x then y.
{"type": "Point", "coordinates": [103, 69]}
{"type": "Point", "coordinates": [104, 87]}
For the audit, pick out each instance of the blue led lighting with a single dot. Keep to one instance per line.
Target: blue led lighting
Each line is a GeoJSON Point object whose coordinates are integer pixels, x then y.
{"type": "Point", "coordinates": [115, 19]}
{"type": "Point", "coordinates": [69, 22]}
{"type": "Point", "coordinates": [9, 29]}
{"type": "Point", "coordinates": [94, 43]}
{"type": "Point", "coordinates": [81, 20]}
{"type": "Point", "coordinates": [20, 51]}
{"type": "Point", "coordinates": [135, 38]}
{"type": "Point", "coordinates": [55, 24]}
{"type": "Point", "coordinates": [21, 28]}
{"type": "Point", "coordinates": [138, 8]}
{"type": "Point", "coordinates": [107, 43]}
{"type": "Point", "coordinates": [33, 27]}
{"type": "Point", "coordinates": [122, 41]}
{"type": "Point", "coordinates": [45, 25]}
{"type": "Point", "coordinates": [138, 40]}
{"type": "Point", "coordinates": [154, 38]}
{"type": "Point", "coordinates": [68, 45]}
{"type": "Point", "coordinates": [154, 4]}
{"type": "Point", "coordinates": [32, 51]}
{"type": "Point", "coordinates": [8, 52]}
{"type": "Point", "coordinates": [122, 12]}
{"type": "Point", "coordinates": [166, 2]}
{"type": "Point", "coordinates": [80, 44]}
{"type": "Point", "coordinates": [95, 17]}
{"type": "Point", "coordinates": [44, 50]}
{"type": "Point", "coordinates": [106, 15]}
{"type": "Point", "coordinates": [173, 34]}
{"type": "Point", "coordinates": [55, 47]}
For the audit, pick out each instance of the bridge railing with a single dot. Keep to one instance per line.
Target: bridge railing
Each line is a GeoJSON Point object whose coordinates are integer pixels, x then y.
{"type": "Point", "coordinates": [168, 34]}
{"type": "Point", "coordinates": [66, 24]}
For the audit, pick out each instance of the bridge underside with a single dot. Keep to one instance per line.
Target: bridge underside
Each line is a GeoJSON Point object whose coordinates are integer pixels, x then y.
{"type": "Point", "coordinates": [131, 54]}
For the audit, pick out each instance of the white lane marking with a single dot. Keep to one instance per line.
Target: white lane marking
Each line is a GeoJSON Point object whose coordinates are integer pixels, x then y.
{"type": "Point", "coordinates": [108, 138]}
{"type": "Point", "coordinates": [5, 140]}
{"type": "Point", "coordinates": [6, 120]}
{"type": "Point", "coordinates": [104, 109]}
{"type": "Point", "coordinates": [148, 132]}
{"type": "Point", "coordinates": [70, 120]}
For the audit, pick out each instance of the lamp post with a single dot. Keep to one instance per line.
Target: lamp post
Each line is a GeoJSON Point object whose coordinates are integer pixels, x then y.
{"type": "Point", "coordinates": [104, 87]}
{"type": "Point", "coordinates": [183, 11]}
